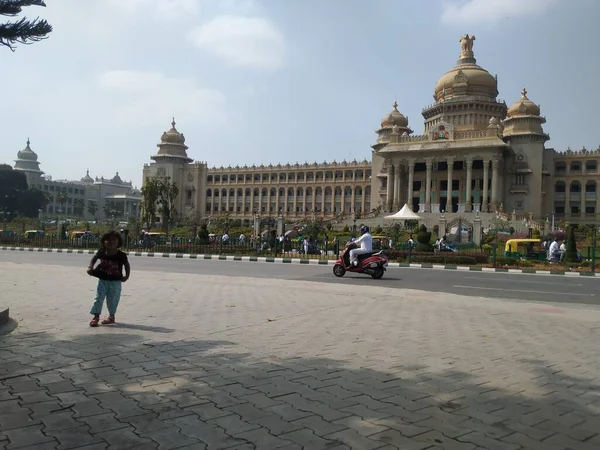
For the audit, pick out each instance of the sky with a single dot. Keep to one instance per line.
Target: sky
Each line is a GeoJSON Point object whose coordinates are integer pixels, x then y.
{"type": "Point", "coordinates": [277, 81]}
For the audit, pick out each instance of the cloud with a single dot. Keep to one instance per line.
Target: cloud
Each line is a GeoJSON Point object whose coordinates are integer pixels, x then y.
{"type": "Point", "coordinates": [146, 98]}
{"type": "Point", "coordinates": [474, 12]}
{"type": "Point", "coordinates": [241, 41]}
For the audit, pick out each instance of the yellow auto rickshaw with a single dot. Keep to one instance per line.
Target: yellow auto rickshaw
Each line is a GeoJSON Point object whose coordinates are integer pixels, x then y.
{"type": "Point", "coordinates": [381, 242]}
{"type": "Point", "coordinates": [524, 249]}
{"type": "Point", "coordinates": [34, 234]}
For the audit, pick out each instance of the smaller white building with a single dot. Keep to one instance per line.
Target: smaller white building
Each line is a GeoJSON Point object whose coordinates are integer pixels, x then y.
{"type": "Point", "coordinates": [89, 198]}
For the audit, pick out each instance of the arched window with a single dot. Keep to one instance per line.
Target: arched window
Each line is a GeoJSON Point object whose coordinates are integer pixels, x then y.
{"type": "Point", "coordinates": [358, 190]}
{"type": "Point", "coordinates": [290, 192]}
{"type": "Point", "coordinates": [347, 191]}
{"type": "Point", "coordinates": [208, 193]}
{"type": "Point", "coordinates": [560, 187]}
{"type": "Point", "coordinates": [575, 186]}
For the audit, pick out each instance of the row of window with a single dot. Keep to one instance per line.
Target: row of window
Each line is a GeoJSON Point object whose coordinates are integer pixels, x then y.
{"type": "Point", "coordinates": [53, 188]}
{"type": "Point", "coordinates": [575, 186]}
{"type": "Point", "coordinates": [289, 177]}
{"type": "Point", "coordinates": [358, 190]}
{"type": "Point", "coordinates": [575, 209]}
{"type": "Point", "coordinates": [575, 166]}
{"type": "Point", "coordinates": [299, 209]}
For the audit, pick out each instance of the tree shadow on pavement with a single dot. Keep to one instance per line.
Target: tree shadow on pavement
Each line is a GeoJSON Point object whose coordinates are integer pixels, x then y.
{"type": "Point", "coordinates": [151, 392]}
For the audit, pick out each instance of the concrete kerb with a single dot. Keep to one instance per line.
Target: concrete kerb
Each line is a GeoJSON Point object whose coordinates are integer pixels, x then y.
{"type": "Point", "coordinates": [321, 262]}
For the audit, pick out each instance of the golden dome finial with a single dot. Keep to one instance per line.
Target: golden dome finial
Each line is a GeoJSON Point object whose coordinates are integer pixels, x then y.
{"type": "Point", "coordinates": [524, 94]}
{"type": "Point", "coordinates": [173, 123]}
{"type": "Point", "coordinates": [395, 105]}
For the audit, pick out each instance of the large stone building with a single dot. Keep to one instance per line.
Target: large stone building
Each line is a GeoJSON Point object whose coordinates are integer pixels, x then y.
{"type": "Point", "coordinates": [476, 157]}
{"type": "Point", "coordinates": [111, 198]}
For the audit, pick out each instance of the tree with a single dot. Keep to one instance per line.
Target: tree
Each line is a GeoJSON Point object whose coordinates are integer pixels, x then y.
{"type": "Point", "coordinates": [203, 235]}
{"type": "Point", "coordinates": [61, 198]}
{"type": "Point", "coordinates": [150, 193]}
{"type": "Point", "coordinates": [167, 197]}
{"type": "Point", "coordinates": [78, 206]}
{"type": "Point", "coordinates": [12, 184]}
{"type": "Point", "coordinates": [571, 253]}
{"type": "Point", "coordinates": [222, 222]}
{"type": "Point", "coordinates": [92, 208]}
{"type": "Point", "coordinates": [110, 209]}
{"type": "Point", "coordinates": [30, 201]}
{"type": "Point", "coordinates": [394, 231]}
{"type": "Point", "coordinates": [313, 229]}
{"type": "Point", "coordinates": [22, 31]}
{"type": "Point", "coordinates": [424, 240]}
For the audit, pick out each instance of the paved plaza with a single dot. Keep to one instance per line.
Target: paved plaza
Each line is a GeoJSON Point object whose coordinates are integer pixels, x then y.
{"type": "Point", "coordinates": [214, 362]}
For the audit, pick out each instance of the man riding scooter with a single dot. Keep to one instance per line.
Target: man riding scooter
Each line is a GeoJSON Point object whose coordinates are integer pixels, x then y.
{"type": "Point", "coordinates": [366, 245]}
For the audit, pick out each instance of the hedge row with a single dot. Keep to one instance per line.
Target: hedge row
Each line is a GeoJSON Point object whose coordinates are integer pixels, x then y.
{"type": "Point", "coordinates": [443, 257]}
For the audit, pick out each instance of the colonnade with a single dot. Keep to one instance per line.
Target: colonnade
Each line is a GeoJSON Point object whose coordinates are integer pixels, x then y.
{"type": "Point", "coordinates": [403, 174]}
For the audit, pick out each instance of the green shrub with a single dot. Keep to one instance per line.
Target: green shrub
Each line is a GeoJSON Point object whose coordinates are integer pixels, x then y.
{"type": "Point", "coordinates": [346, 229]}
{"type": "Point", "coordinates": [423, 240]}
{"type": "Point", "coordinates": [571, 253]}
{"type": "Point", "coordinates": [535, 234]}
{"type": "Point", "coordinates": [502, 261]}
{"type": "Point", "coordinates": [402, 255]}
{"type": "Point", "coordinates": [203, 234]}
{"type": "Point", "coordinates": [378, 230]}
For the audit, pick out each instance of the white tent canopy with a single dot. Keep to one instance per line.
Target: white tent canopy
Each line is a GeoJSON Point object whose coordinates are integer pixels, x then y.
{"type": "Point", "coordinates": [404, 214]}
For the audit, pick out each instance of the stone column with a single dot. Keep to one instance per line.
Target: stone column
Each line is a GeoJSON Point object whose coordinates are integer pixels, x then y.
{"type": "Point", "coordinates": [567, 199]}
{"type": "Point", "coordinates": [477, 230]}
{"type": "Point", "coordinates": [429, 165]}
{"type": "Point", "coordinates": [397, 187]}
{"type": "Point", "coordinates": [280, 226]}
{"type": "Point", "coordinates": [495, 165]}
{"type": "Point", "coordinates": [363, 203]}
{"type": "Point", "coordinates": [450, 162]}
{"type": "Point", "coordinates": [411, 179]}
{"type": "Point", "coordinates": [256, 226]}
{"type": "Point", "coordinates": [468, 203]}
{"type": "Point", "coordinates": [295, 200]}
{"type": "Point", "coordinates": [390, 187]}
{"type": "Point", "coordinates": [442, 226]}
{"type": "Point", "coordinates": [486, 176]}
{"type": "Point", "coordinates": [353, 207]}
{"type": "Point", "coordinates": [322, 199]}
{"type": "Point", "coordinates": [277, 201]}
{"type": "Point", "coordinates": [235, 201]}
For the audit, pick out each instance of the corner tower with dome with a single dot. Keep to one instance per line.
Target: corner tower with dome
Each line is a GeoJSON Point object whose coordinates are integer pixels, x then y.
{"type": "Point", "coordinates": [474, 156]}
{"type": "Point", "coordinates": [172, 161]}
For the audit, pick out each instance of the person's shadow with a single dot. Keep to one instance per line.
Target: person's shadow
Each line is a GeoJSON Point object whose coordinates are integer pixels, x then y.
{"type": "Point", "coordinates": [131, 326]}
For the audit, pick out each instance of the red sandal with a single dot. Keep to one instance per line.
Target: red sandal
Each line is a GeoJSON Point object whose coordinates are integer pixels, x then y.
{"type": "Point", "coordinates": [94, 322]}
{"type": "Point", "coordinates": [108, 321]}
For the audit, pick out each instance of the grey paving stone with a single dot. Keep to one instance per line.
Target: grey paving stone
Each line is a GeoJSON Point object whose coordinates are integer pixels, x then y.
{"type": "Point", "coordinates": [170, 438]}
{"type": "Point", "coordinates": [211, 435]}
{"type": "Point", "coordinates": [363, 427]}
{"type": "Point", "coordinates": [276, 425]}
{"type": "Point", "coordinates": [24, 386]}
{"type": "Point", "coordinates": [60, 387]}
{"type": "Point", "coordinates": [233, 424]}
{"type": "Point", "coordinates": [16, 420]}
{"type": "Point", "coordinates": [262, 439]}
{"type": "Point", "coordinates": [353, 439]}
{"type": "Point", "coordinates": [395, 439]}
{"type": "Point", "coordinates": [308, 439]}
{"type": "Point", "coordinates": [26, 436]}
{"type": "Point", "coordinates": [74, 437]}
{"type": "Point", "coordinates": [87, 408]}
{"type": "Point", "coordinates": [146, 423]}
{"type": "Point", "coordinates": [126, 438]}
{"type": "Point", "coordinates": [319, 426]}
{"type": "Point", "coordinates": [102, 422]}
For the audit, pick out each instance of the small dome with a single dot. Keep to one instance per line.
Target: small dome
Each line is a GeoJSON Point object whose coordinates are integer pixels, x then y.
{"type": "Point", "coordinates": [27, 154]}
{"type": "Point", "coordinates": [466, 78]}
{"type": "Point", "coordinates": [395, 117]}
{"type": "Point", "coordinates": [87, 179]}
{"type": "Point", "coordinates": [172, 136]}
{"type": "Point", "coordinates": [116, 179]}
{"type": "Point", "coordinates": [523, 107]}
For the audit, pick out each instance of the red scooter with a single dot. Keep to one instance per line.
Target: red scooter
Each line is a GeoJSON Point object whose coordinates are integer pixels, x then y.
{"type": "Point", "coordinates": [373, 264]}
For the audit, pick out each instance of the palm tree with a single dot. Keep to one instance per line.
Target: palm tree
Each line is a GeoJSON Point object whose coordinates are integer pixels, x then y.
{"type": "Point", "coordinates": [92, 208]}
{"type": "Point", "coordinates": [61, 199]}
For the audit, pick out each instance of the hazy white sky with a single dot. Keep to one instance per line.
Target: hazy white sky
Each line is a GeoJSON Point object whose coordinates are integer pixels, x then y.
{"type": "Point", "coordinates": [268, 81]}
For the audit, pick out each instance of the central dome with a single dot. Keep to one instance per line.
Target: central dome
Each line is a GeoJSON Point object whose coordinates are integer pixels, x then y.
{"type": "Point", "coordinates": [466, 78]}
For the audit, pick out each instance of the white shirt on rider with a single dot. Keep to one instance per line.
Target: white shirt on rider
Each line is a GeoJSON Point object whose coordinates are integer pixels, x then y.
{"type": "Point", "coordinates": [366, 242]}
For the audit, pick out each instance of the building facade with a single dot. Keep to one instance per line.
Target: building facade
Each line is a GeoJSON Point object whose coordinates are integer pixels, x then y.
{"type": "Point", "coordinates": [88, 198]}
{"type": "Point", "coordinates": [476, 157]}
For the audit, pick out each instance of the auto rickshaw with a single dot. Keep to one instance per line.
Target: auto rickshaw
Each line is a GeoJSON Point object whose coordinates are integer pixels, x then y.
{"type": "Point", "coordinates": [34, 234]}
{"type": "Point", "coordinates": [524, 249]}
{"type": "Point", "coordinates": [380, 242]}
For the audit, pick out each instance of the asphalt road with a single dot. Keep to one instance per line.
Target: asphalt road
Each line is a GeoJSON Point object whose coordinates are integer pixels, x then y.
{"type": "Point", "coordinates": [556, 289]}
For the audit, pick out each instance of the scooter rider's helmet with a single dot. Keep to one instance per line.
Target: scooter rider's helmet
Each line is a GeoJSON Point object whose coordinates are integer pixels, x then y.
{"type": "Point", "coordinates": [363, 229]}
